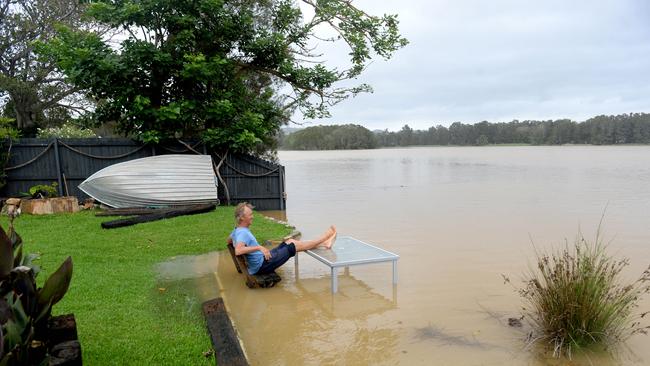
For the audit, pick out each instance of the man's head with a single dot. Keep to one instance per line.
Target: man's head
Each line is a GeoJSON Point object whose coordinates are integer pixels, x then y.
{"type": "Point", "coordinates": [244, 214]}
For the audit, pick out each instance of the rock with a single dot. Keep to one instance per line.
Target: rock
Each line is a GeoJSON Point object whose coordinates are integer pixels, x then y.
{"type": "Point", "coordinates": [13, 201]}
{"type": "Point", "coordinates": [66, 353]}
{"type": "Point", "coordinates": [62, 328]}
{"type": "Point", "coordinates": [45, 206]}
{"type": "Point", "coordinates": [89, 203]}
{"type": "Point", "coordinates": [11, 207]}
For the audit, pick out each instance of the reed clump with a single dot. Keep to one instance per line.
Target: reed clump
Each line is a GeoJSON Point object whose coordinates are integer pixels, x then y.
{"type": "Point", "coordinates": [575, 298]}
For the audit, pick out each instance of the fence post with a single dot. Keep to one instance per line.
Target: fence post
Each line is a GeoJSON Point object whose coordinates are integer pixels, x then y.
{"type": "Point", "coordinates": [58, 165]}
{"type": "Point", "coordinates": [281, 185]}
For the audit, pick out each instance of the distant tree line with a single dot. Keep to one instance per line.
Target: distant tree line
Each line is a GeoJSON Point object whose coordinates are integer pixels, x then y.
{"type": "Point", "coordinates": [601, 130]}
{"type": "Point", "coordinates": [344, 137]}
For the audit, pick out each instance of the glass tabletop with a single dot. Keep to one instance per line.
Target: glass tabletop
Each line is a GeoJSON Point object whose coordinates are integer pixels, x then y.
{"type": "Point", "coordinates": [348, 251]}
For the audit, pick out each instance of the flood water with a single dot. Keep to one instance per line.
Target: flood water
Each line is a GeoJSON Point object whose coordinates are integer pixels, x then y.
{"type": "Point", "coordinates": [459, 218]}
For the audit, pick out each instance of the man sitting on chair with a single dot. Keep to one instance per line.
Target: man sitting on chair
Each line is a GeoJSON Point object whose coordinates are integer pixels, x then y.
{"type": "Point", "coordinates": [261, 260]}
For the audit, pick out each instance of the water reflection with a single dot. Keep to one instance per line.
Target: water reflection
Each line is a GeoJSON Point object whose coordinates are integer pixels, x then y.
{"type": "Point", "coordinates": [444, 337]}
{"type": "Point", "coordinates": [301, 322]}
{"type": "Point", "coordinates": [188, 278]}
{"type": "Point", "coordinates": [461, 217]}
{"type": "Point", "coordinates": [621, 355]}
{"type": "Point", "coordinates": [458, 218]}
{"type": "Point", "coordinates": [355, 299]}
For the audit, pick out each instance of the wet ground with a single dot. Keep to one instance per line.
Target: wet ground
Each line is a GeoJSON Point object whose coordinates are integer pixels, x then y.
{"type": "Point", "coordinates": [459, 218]}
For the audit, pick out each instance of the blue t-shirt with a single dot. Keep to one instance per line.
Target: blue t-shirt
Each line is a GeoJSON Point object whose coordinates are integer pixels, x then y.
{"type": "Point", "coordinates": [254, 259]}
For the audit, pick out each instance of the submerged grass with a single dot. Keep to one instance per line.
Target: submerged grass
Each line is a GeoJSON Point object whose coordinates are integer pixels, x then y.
{"type": "Point", "coordinates": [575, 298]}
{"type": "Point", "coordinates": [123, 318]}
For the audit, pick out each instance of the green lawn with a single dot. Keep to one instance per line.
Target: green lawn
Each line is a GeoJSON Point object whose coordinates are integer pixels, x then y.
{"type": "Point", "coordinates": [122, 316]}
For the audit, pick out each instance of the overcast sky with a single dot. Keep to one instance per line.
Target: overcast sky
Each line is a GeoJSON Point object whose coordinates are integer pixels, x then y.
{"type": "Point", "coordinates": [499, 60]}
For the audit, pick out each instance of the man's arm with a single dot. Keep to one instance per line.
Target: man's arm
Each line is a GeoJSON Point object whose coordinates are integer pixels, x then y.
{"type": "Point", "coordinates": [241, 248]}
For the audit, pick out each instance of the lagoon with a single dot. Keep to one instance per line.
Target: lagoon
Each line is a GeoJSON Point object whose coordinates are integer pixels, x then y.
{"type": "Point", "coordinates": [459, 217]}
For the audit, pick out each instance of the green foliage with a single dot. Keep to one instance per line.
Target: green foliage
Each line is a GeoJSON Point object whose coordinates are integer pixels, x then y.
{"type": "Point", "coordinates": [32, 90]}
{"type": "Point", "coordinates": [575, 298]}
{"type": "Point", "coordinates": [331, 138]}
{"type": "Point", "coordinates": [228, 72]}
{"type": "Point", "coordinates": [44, 190]}
{"type": "Point", "coordinates": [66, 131]}
{"type": "Point", "coordinates": [25, 308]}
{"type": "Point", "coordinates": [8, 128]}
{"type": "Point", "coordinates": [482, 140]}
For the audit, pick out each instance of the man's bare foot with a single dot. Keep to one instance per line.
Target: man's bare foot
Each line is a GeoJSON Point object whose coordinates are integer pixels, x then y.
{"type": "Point", "coordinates": [331, 239]}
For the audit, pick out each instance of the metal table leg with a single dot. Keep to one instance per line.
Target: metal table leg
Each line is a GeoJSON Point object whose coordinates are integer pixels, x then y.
{"type": "Point", "coordinates": [334, 280]}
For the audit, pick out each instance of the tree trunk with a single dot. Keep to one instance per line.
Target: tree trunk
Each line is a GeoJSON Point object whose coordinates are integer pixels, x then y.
{"type": "Point", "coordinates": [26, 108]}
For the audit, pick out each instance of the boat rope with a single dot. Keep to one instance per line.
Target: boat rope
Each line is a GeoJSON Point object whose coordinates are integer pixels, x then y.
{"type": "Point", "coordinates": [101, 157]}
{"type": "Point", "coordinates": [32, 159]}
{"type": "Point", "coordinates": [223, 160]}
{"type": "Point", "coordinates": [187, 148]}
{"type": "Point", "coordinates": [252, 175]}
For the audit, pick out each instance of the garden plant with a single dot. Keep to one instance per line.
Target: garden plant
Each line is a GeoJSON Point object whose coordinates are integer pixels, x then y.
{"type": "Point", "coordinates": [43, 191]}
{"type": "Point", "coordinates": [24, 307]}
{"type": "Point", "coordinates": [576, 298]}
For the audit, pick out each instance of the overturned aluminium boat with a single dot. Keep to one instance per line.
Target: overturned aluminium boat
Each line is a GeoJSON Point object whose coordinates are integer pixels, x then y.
{"type": "Point", "coordinates": [155, 181]}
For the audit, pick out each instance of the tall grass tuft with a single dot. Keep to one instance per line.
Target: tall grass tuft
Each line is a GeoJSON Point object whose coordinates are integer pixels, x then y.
{"type": "Point", "coordinates": [575, 298]}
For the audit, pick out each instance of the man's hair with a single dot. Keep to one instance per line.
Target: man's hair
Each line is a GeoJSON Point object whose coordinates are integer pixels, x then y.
{"type": "Point", "coordinates": [240, 209]}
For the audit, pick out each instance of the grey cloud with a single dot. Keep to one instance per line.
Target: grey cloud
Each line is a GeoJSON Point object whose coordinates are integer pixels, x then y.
{"type": "Point", "coordinates": [502, 60]}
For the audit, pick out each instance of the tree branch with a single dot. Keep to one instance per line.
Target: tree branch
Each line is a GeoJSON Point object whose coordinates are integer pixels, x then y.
{"type": "Point", "coordinates": [277, 74]}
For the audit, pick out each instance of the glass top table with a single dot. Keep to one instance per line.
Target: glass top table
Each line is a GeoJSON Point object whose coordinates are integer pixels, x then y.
{"type": "Point", "coordinates": [348, 251]}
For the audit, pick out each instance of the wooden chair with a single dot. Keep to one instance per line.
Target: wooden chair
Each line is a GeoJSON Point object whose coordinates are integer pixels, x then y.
{"type": "Point", "coordinates": [252, 281]}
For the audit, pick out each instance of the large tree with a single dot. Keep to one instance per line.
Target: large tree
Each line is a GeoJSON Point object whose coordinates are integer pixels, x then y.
{"type": "Point", "coordinates": [31, 88]}
{"type": "Point", "coordinates": [228, 71]}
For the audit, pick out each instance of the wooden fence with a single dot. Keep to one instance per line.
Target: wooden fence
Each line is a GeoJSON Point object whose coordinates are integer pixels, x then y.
{"type": "Point", "coordinates": [70, 161]}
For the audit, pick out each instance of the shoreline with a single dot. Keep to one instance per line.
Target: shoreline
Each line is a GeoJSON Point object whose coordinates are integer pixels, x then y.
{"type": "Point", "coordinates": [476, 146]}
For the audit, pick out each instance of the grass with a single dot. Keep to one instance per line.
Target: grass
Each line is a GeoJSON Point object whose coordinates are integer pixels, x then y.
{"type": "Point", "coordinates": [576, 299]}
{"type": "Point", "coordinates": [122, 317]}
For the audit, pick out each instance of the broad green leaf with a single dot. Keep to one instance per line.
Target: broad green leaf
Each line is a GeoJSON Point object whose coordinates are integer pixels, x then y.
{"type": "Point", "coordinates": [6, 254]}
{"type": "Point", "coordinates": [18, 255]}
{"type": "Point", "coordinates": [56, 285]}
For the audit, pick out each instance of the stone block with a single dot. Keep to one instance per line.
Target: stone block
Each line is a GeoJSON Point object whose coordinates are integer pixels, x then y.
{"type": "Point", "coordinates": [46, 206]}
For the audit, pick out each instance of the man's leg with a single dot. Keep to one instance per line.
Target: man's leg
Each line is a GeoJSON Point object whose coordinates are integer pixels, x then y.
{"type": "Point", "coordinates": [327, 239]}
{"type": "Point", "coordinates": [279, 256]}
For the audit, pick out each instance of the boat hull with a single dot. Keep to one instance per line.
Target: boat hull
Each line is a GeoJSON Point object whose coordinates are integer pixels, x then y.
{"type": "Point", "coordinates": [155, 181]}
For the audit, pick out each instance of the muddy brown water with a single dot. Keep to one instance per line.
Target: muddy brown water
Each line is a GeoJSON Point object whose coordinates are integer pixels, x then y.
{"type": "Point", "coordinates": [459, 218]}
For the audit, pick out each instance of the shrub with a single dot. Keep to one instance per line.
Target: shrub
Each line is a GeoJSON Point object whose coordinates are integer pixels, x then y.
{"type": "Point", "coordinates": [66, 131]}
{"type": "Point", "coordinates": [44, 190]}
{"type": "Point", "coordinates": [24, 307]}
{"type": "Point", "coordinates": [8, 128]}
{"type": "Point", "coordinates": [575, 298]}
